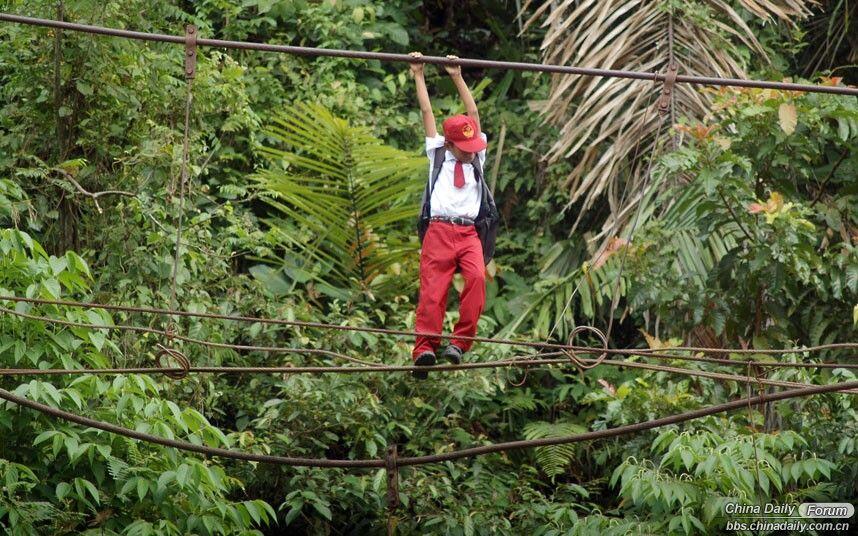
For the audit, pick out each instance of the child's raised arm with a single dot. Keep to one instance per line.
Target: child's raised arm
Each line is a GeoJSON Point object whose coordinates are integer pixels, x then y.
{"type": "Point", "coordinates": [423, 98]}
{"type": "Point", "coordinates": [455, 73]}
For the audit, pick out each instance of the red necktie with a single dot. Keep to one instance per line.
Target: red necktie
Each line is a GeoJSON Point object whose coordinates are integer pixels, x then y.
{"type": "Point", "coordinates": [458, 175]}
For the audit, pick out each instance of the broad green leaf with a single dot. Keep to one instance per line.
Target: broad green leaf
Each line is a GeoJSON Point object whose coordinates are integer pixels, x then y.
{"type": "Point", "coordinates": [62, 490]}
{"type": "Point", "coordinates": [323, 509]}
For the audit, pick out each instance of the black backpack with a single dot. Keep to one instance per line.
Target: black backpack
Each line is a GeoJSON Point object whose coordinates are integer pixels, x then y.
{"type": "Point", "coordinates": [487, 219]}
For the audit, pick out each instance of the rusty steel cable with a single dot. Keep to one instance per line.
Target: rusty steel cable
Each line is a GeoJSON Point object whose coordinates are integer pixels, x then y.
{"type": "Point", "coordinates": [525, 362]}
{"type": "Point", "coordinates": [273, 321]}
{"type": "Point", "coordinates": [176, 355]}
{"type": "Point", "coordinates": [580, 363]}
{"type": "Point", "coordinates": [433, 458]}
{"type": "Point", "coordinates": [404, 333]}
{"type": "Point", "coordinates": [190, 40]}
{"type": "Point", "coordinates": [761, 351]}
{"type": "Point", "coordinates": [614, 224]}
{"type": "Point", "coordinates": [437, 60]}
{"type": "Point", "coordinates": [627, 429]}
{"type": "Point", "coordinates": [615, 294]}
{"type": "Point", "coordinates": [569, 351]}
{"type": "Point", "coordinates": [665, 107]}
{"type": "Point", "coordinates": [167, 334]}
{"type": "Point", "coordinates": [564, 349]}
{"type": "Point", "coordinates": [711, 375]}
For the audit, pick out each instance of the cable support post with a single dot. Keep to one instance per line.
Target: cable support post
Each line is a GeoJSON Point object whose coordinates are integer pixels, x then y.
{"type": "Point", "coordinates": [392, 469]}
{"type": "Point", "coordinates": [664, 102]}
{"type": "Point", "coordinates": [190, 51]}
{"type": "Point", "coordinates": [759, 375]}
{"type": "Point", "coordinates": [190, 73]}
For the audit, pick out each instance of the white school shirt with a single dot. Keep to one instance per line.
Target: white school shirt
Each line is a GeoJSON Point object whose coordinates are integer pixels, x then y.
{"type": "Point", "coordinates": [447, 200]}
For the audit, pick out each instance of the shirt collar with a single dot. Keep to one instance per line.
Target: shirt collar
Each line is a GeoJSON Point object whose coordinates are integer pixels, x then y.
{"type": "Point", "coordinates": [450, 157]}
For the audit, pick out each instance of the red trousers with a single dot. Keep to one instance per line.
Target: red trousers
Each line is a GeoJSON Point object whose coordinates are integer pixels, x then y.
{"type": "Point", "coordinates": [445, 248]}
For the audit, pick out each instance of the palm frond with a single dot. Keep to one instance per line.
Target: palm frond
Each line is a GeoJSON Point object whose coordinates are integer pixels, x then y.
{"type": "Point", "coordinates": [571, 289]}
{"type": "Point", "coordinates": [343, 186]}
{"type": "Point", "coordinates": [602, 121]}
{"type": "Point", "coordinates": [832, 38]}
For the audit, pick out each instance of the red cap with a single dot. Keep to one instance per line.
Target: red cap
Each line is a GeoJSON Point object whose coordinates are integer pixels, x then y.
{"type": "Point", "coordinates": [462, 131]}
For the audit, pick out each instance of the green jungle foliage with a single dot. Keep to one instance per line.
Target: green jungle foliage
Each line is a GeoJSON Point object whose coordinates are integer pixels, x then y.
{"type": "Point", "coordinates": [305, 174]}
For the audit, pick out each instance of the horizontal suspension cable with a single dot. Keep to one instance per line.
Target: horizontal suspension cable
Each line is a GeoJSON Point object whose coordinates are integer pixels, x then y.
{"type": "Point", "coordinates": [275, 349]}
{"type": "Point", "coordinates": [538, 361]}
{"type": "Point", "coordinates": [420, 460]}
{"type": "Point", "coordinates": [168, 335]}
{"type": "Point", "coordinates": [437, 60]}
{"type": "Point", "coordinates": [539, 345]}
{"type": "Point", "coordinates": [631, 428]}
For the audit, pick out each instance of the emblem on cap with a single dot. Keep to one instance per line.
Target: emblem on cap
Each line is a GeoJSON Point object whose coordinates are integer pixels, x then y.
{"type": "Point", "coordinates": [467, 131]}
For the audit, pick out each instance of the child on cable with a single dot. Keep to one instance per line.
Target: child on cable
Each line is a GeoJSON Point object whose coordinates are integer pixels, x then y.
{"type": "Point", "coordinates": [457, 223]}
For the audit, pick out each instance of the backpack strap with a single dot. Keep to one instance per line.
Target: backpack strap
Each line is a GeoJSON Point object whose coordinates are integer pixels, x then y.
{"type": "Point", "coordinates": [437, 164]}
{"type": "Point", "coordinates": [478, 169]}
